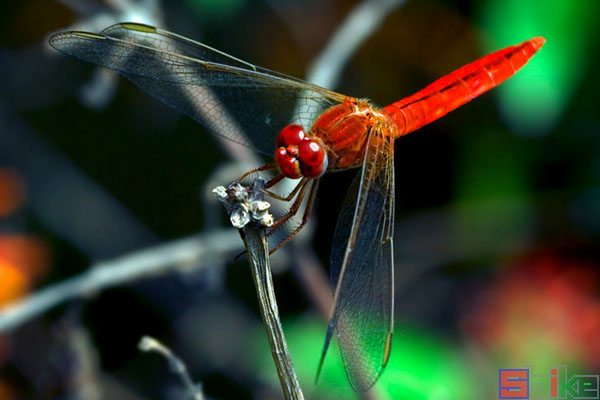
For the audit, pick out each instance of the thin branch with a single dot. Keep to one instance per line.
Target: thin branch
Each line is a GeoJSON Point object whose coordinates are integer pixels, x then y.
{"type": "Point", "coordinates": [148, 343]}
{"type": "Point", "coordinates": [197, 251]}
{"type": "Point", "coordinates": [258, 258]}
{"type": "Point", "coordinates": [248, 212]}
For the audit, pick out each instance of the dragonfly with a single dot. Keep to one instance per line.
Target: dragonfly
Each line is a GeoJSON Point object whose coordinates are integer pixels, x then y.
{"type": "Point", "coordinates": [308, 130]}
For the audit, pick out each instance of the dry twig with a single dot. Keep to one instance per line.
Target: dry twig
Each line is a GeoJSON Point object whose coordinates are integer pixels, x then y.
{"type": "Point", "coordinates": [194, 251]}
{"type": "Point", "coordinates": [148, 343]}
{"type": "Point", "coordinates": [249, 213]}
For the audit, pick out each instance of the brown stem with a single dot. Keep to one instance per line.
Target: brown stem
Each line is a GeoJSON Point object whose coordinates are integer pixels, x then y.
{"type": "Point", "coordinates": [258, 257]}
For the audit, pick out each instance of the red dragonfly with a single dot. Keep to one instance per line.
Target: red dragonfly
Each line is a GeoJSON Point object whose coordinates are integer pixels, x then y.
{"type": "Point", "coordinates": [269, 111]}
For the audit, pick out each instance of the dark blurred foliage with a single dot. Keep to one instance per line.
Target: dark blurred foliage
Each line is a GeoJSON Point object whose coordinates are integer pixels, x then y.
{"type": "Point", "coordinates": [498, 203]}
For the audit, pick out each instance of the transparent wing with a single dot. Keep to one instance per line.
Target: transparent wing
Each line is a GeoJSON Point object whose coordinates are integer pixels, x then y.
{"type": "Point", "coordinates": [235, 99]}
{"type": "Point", "coordinates": [362, 267]}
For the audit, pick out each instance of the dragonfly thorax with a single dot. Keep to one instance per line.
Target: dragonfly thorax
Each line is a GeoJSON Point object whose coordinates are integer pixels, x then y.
{"type": "Point", "coordinates": [344, 130]}
{"type": "Point", "coordinates": [298, 155]}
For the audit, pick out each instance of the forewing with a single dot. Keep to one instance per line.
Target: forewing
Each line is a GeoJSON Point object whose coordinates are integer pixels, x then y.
{"type": "Point", "coordinates": [235, 99]}
{"type": "Point", "coordinates": [362, 267]}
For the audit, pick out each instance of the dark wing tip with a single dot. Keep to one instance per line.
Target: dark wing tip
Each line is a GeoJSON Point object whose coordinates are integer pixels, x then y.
{"type": "Point", "coordinates": [328, 336]}
{"type": "Point", "coordinates": [59, 40]}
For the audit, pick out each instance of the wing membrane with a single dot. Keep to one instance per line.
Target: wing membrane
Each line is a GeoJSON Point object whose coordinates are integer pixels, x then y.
{"type": "Point", "coordinates": [235, 99]}
{"type": "Point", "coordinates": [362, 267]}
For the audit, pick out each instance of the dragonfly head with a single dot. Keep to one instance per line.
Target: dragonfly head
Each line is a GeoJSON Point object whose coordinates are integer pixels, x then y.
{"type": "Point", "coordinates": [298, 155]}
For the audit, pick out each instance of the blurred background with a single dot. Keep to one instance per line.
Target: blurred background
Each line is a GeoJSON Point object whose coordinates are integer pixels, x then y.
{"type": "Point", "coordinates": [497, 204]}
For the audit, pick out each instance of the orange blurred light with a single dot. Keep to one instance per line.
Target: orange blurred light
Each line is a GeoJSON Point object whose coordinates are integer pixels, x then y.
{"type": "Point", "coordinates": [23, 260]}
{"type": "Point", "coordinates": [13, 283]}
{"type": "Point", "coordinates": [26, 253]}
{"type": "Point", "coordinates": [12, 191]}
{"type": "Point", "coordinates": [6, 391]}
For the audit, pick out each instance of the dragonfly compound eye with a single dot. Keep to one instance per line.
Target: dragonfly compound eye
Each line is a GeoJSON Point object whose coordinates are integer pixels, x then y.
{"type": "Point", "coordinates": [313, 159]}
{"type": "Point", "coordinates": [288, 162]}
{"type": "Point", "coordinates": [291, 135]}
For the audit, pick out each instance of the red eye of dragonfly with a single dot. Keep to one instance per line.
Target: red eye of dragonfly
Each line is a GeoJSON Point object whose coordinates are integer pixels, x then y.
{"type": "Point", "coordinates": [313, 160]}
{"type": "Point", "coordinates": [298, 156]}
{"type": "Point", "coordinates": [351, 132]}
{"type": "Point", "coordinates": [288, 163]}
{"type": "Point", "coordinates": [291, 134]}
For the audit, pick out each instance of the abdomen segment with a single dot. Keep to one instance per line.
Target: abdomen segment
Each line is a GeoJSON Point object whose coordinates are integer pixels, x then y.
{"type": "Point", "coordinates": [462, 85]}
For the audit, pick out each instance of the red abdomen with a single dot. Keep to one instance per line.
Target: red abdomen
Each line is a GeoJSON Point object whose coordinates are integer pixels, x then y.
{"type": "Point", "coordinates": [462, 85]}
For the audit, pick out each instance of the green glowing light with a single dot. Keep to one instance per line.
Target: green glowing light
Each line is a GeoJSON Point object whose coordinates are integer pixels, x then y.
{"type": "Point", "coordinates": [536, 97]}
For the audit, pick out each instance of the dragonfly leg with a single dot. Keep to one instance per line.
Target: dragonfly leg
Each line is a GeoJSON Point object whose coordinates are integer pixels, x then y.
{"type": "Point", "coordinates": [265, 167]}
{"type": "Point", "coordinates": [293, 209]}
{"type": "Point", "coordinates": [309, 204]}
{"type": "Point", "coordinates": [274, 181]}
{"type": "Point", "coordinates": [289, 197]}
